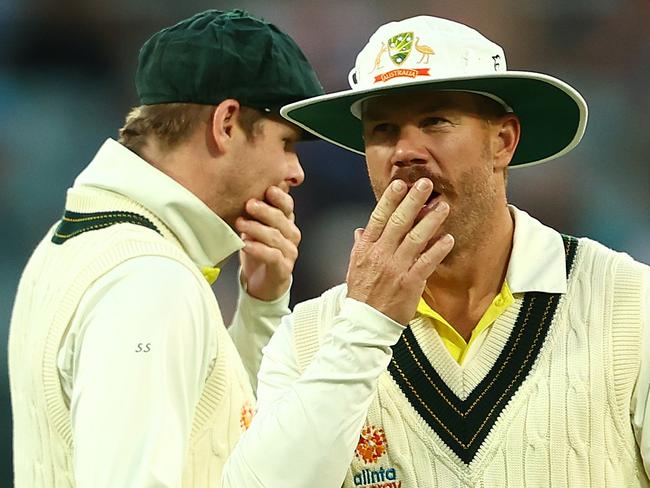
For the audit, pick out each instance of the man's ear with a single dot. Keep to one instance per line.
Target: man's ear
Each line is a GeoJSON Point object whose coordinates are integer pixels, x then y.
{"type": "Point", "coordinates": [506, 138]}
{"type": "Point", "coordinates": [223, 124]}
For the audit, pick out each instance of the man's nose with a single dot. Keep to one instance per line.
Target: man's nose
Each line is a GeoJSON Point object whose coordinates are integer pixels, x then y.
{"type": "Point", "coordinates": [296, 174]}
{"type": "Point", "coordinates": [409, 148]}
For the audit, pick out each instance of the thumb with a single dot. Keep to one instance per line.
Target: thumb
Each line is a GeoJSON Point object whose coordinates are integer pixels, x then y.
{"type": "Point", "coordinates": [358, 232]}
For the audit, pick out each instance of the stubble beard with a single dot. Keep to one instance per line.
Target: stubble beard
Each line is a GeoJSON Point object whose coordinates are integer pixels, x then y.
{"type": "Point", "coordinates": [470, 218]}
{"type": "Point", "coordinates": [232, 203]}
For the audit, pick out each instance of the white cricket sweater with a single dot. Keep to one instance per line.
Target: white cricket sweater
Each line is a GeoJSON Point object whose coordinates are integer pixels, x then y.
{"type": "Point", "coordinates": [545, 402]}
{"type": "Point", "coordinates": [50, 290]}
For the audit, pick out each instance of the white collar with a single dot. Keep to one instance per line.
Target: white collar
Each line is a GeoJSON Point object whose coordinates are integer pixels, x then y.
{"type": "Point", "coordinates": [205, 237]}
{"type": "Point", "coordinates": [537, 262]}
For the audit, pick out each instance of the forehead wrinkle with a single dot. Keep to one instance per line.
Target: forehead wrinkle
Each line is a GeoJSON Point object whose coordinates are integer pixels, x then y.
{"type": "Point", "coordinates": [374, 110]}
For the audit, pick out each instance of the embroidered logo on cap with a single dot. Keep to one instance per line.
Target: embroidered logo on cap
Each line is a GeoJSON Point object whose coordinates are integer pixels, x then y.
{"type": "Point", "coordinates": [424, 50]}
{"type": "Point", "coordinates": [383, 49]}
{"type": "Point", "coordinates": [399, 47]}
{"type": "Point", "coordinates": [404, 73]}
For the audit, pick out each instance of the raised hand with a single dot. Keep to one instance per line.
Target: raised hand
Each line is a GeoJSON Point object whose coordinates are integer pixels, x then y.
{"type": "Point", "coordinates": [391, 260]}
{"type": "Point", "coordinates": [271, 240]}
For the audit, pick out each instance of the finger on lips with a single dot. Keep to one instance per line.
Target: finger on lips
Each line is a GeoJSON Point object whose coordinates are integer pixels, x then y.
{"type": "Point", "coordinates": [402, 219]}
{"type": "Point", "coordinates": [387, 204]}
{"type": "Point", "coordinates": [423, 232]}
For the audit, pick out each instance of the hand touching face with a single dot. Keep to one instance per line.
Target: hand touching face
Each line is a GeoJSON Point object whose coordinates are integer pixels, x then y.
{"type": "Point", "coordinates": [271, 240]}
{"type": "Point", "coordinates": [393, 256]}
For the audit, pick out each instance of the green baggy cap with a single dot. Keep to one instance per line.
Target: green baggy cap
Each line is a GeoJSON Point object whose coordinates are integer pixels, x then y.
{"type": "Point", "coordinates": [216, 55]}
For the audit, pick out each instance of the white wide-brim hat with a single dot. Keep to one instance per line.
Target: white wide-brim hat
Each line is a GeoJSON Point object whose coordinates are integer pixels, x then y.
{"type": "Point", "coordinates": [424, 54]}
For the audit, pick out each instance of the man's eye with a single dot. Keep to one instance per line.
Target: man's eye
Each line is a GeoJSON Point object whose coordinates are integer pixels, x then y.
{"type": "Point", "coordinates": [382, 128]}
{"type": "Point", "coordinates": [433, 121]}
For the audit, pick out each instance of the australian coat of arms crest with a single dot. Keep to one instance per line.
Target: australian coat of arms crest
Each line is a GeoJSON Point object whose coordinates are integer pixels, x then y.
{"type": "Point", "coordinates": [400, 46]}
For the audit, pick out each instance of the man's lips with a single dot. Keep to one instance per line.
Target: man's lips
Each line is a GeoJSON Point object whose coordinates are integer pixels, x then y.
{"type": "Point", "coordinates": [430, 204]}
{"type": "Point", "coordinates": [434, 195]}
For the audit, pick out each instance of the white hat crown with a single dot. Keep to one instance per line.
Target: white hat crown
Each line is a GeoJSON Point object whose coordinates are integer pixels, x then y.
{"type": "Point", "coordinates": [424, 48]}
{"type": "Point", "coordinates": [423, 54]}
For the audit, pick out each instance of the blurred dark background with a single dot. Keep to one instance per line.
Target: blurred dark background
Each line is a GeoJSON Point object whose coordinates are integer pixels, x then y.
{"type": "Point", "coordinates": [66, 84]}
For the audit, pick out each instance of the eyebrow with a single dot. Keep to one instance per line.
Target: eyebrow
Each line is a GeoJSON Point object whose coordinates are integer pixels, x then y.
{"type": "Point", "coordinates": [295, 134]}
{"type": "Point", "coordinates": [375, 114]}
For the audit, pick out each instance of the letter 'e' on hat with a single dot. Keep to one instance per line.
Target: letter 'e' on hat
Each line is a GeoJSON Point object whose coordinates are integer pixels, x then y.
{"type": "Point", "coordinates": [423, 54]}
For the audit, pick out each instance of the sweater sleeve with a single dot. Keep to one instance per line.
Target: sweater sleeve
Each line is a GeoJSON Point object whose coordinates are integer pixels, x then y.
{"type": "Point", "coordinates": [640, 407]}
{"type": "Point", "coordinates": [307, 425]}
{"type": "Point", "coordinates": [139, 352]}
{"type": "Point", "coordinates": [252, 326]}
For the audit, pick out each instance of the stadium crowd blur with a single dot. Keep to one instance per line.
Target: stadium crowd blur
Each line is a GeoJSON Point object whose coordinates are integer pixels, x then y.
{"type": "Point", "coordinates": [66, 82]}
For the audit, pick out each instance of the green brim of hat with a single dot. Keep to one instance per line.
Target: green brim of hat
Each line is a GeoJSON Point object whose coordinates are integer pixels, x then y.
{"type": "Point", "coordinates": [553, 115]}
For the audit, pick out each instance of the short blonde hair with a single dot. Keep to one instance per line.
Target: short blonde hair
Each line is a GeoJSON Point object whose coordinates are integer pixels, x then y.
{"type": "Point", "coordinates": [169, 123]}
{"type": "Point", "coordinates": [173, 123]}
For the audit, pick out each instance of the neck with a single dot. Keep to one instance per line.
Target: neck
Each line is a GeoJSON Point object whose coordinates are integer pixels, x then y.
{"type": "Point", "coordinates": [176, 162]}
{"type": "Point", "coordinates": [465, 284]}
{"type": "Point", "coordinates": [189, 163]}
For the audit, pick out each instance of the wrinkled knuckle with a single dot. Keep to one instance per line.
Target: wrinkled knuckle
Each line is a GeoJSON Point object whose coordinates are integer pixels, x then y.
{"type": "Point", "coordinates": [398, 219]}
{"type": "Point", "coordinates": [358, 250]}
{"type": "Point", "coordinates": [425, 259]}
{"type": "Point", "coordinates": [377, 217]}
{"type": "Point", "coordinates": [415, 237]}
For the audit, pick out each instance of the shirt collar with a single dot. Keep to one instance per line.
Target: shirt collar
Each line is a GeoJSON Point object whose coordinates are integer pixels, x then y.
{"type": "Point", "coordinates": [537, 262]}
{"type": "Point", "coordinates": [205, 237]}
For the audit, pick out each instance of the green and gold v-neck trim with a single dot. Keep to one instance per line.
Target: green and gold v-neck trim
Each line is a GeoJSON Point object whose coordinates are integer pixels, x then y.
{"type": "Point", "coordinates": [464, 424]}
{"type": "Point", "coordinates": [74, 223]}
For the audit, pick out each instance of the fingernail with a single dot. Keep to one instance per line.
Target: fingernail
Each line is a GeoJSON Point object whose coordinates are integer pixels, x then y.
{"type": "Point", "coordinates": [398, 185]}
{"type": "Point", "coordinates": [422, 184]}
{"type": "Point", "coordinates": [447, 239]}
{"type": "Point", "coordinates": [442, 207]}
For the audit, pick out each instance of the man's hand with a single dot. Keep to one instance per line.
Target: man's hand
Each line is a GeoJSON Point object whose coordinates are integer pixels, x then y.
{"type": "Point", "coordinates": [271, 244]}
{"type": "Point", "coordinates": [390, 262]}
